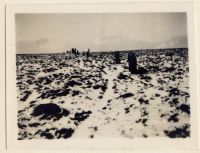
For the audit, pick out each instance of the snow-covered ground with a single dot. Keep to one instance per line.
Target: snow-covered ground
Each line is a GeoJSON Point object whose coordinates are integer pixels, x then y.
{"type": "Point", "coordinates": [60, 97]}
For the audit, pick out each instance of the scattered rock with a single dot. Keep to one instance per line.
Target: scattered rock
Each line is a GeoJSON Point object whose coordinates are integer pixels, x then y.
{"type": "Point", "coordinates": [26, 95]}
{"type": "Point", "coordinates": [75, 93]}
{"type": "Point", "coordinates": [21, 126]}
{"type": "Point", "coordinates": [34, 124]}
{"type": "Point", "coordinates": [72, 83]}
{"type": "Point", "coordinates": [173, 118]}
{"type": "Point", "coordinates": [49, 111]}
{"type": "Point", "coordinates": [122, 76]}
{"type": "Point", "coordinates": [126, 95]}
{"type": "Point", "coordinates": [174, 92]}
{"type": "Point", "coordinates": [44, 80]}
{"type": "Point", "coordinates": [127, 110]}
{"type": "Point", "coordinates": [78, 117]}
{"type": "Point", "coordinates": [181, 132]}
{"type": "Point", "coordinates": [54, 93]}
{"type": "Point", "coordinates": [142, 101]}
{"type": "Point", "coordinates": [64, 133]}
{"type": "Point", "coordinates": [102, 87]}
{"type": "Point", "coordinates": [184, 108]}
{"type": "Point", "coordinates": [47, 135]}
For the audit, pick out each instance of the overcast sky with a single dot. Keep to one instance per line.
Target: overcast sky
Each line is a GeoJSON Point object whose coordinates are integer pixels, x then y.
{"type": "Point", "coordinates": [45, 33]}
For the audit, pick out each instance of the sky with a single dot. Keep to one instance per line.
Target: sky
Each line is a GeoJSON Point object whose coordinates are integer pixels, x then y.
{"type": "Point", "coordinates": [48, 33]}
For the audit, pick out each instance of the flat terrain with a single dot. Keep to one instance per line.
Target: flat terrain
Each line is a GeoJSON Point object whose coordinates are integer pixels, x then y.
{"type": "Point", "coordinates": [94, 97]}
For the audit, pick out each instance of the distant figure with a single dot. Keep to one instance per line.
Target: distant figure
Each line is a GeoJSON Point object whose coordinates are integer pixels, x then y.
{"type": "Point", "coordinates": [100, 55]}
{"type": "Point", "coordinates": [132, 62]}
{"type": "Point", "coordinates": [88, 53]}
{"type": "Point", "coordinates": [117, 57]}
{"type": "Point", "coordinates": [77, 53]}
{"type": "Point", "coordinates": [74, 51]}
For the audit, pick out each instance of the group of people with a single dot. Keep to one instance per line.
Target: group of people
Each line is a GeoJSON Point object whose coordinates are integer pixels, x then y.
{"type": "Point", "coordinates": [75, 53]}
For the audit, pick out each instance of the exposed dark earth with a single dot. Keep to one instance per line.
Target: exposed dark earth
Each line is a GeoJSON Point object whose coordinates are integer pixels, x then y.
{"type": "Point", "coordinates": [61, 97]}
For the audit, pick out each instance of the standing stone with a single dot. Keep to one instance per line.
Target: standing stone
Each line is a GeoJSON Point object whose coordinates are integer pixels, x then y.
{"type": "Point", "coordinates": [75, 51]}
{"type": "Point", "coordinates": [88, 53]}
{"type": "Point", "coordinates": [117, 57]}
{"type": "Point", "coordinates": [132, 62]}
{"type": "Point", "coordinates": [100, 55]}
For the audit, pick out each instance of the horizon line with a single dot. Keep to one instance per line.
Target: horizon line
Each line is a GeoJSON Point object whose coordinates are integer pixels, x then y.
{"type": "Point", "coordinates": [105, 51]}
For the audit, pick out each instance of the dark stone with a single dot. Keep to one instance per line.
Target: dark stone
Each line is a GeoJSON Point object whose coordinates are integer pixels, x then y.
{"type": "Point", "coordinates": [157, 95]}
{"type": "Point", "coordinates": [21, 126]}
{"type": "Point", "coordinates": [91, 136]}
{"type": "Point", "coordinates": [95, 128]}
{"type": "Point", "coordinates": [142, 101]}
{"type": "Point", "coordinates": [64, 133]}
{"type": "Point", "coordinates": [126, 95]}
{"type": "Point", "coordinates": [81, 116]}
{"type": "Point", "coordinates": [34, 124]}
{"type": "Point", "coordinates": [26, 95]}
{"type": "Point", "coordinates": [141, 70]}
{"type": "Point", "coordinates": [75, 93]}
{"type": "Point", "coordinates": [144, 122]}
{"type": "Point", "coordinates": [121, 76]}
{"type": "Point", "coordinates": [144, 135]}
{"type": "Point", "coordinates": [58, 75]}
{"type": "Point", "coordinates": [174, 92]}
{"type": "Point", "coordinates": [174, 102]}
{"type": "Point", "coordinates": [117, 57]}
{"type": "Point", "coordinates": [20, 111]}
{"type": "Point", "coordinates": [104, 108]}
{"type": "Point", "coordinates": [103, 87]}
{"type": "Point", "coordinates": [88, 53]}
{"type": "Point", "coordinates": [46, 135]}
{"type": "Point", "coordinates": [44, 80]}
{"type": "Point", "coordinates": [170, 69]}
{"type": "Point", "coordinates": [50, 70]}
{"type": "Point", "coordinates": [132, 62]}
{"type": "Point", "coordinates": [145, 113]}
{"type": "Point", "coordinates": [154, 68]}
{"type": "Point", "coordinates": [54, 93]}
{"type": "Point", "coordinates": [100, 97]}
{"type": "Point", "coordinates": [184, 108]}
{"type": "Point", "coordinates": [127, 110]}
{"type": "Point", "coordinates": [72, 83]}
{"type": "Point", "coordinates": [146, 78]}
{"type": "Point", "coordinates": [49, 111]}
{"type": "Point", "coordinates": [174, 118]}
{"type": "Point", "coordinates": [181, 132]}
{"type": "Point", "coordinates": [32, 102]}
